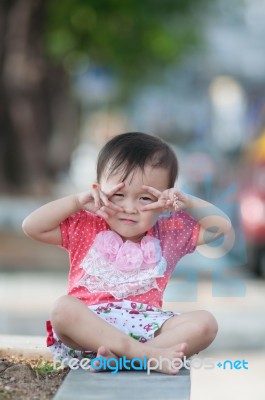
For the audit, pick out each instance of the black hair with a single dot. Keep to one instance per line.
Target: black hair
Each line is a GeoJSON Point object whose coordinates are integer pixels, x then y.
{"type": "Point", "coordinates": [128, 151]}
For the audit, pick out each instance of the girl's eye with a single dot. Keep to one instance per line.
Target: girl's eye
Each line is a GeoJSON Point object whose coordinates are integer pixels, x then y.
{"type": "Point", "coordinates": [118, 194]}
{"type": "Point", "coordinates": [146, 198]}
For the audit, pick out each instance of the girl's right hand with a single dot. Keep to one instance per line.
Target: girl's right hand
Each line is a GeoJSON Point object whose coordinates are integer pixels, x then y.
{"type": "Point", "coordinates": [98, 202]}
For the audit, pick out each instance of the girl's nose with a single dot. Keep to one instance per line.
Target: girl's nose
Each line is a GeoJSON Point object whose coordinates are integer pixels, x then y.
{"type": "Point", "coordinates": [129, 207]}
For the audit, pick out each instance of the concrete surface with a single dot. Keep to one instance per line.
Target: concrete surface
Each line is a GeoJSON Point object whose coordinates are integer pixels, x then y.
{"type": "Point", "coordinates": [129, 385]}
{"type": "Point", "coordinates": [32, 347]}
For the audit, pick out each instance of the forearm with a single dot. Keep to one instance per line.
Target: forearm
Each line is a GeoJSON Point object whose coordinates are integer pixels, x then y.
{"type": "Point", "coordinates": [200, 209]}
{"type": "Point", "coordinates": [48, 217]}
{"type": "Point", "coordinates": [212, 219]}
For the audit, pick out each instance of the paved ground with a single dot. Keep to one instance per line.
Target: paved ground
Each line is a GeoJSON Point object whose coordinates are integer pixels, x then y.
{"type": "Point", "coordinates": [207, 384]}
{"type": "Point", "coordinates": [125, 385]}
{"type": "Point", "coordinates": [28, 347]}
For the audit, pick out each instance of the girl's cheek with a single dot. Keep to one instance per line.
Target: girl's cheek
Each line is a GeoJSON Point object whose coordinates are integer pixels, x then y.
{"type": "Point", "coordinates": [153, 216]}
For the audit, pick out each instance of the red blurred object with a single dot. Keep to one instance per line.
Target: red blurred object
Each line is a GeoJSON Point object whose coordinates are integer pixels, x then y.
{"type": "Point", "coordinates": [253, 215]}
{"type": "Point", "coordinates": [252, 205]}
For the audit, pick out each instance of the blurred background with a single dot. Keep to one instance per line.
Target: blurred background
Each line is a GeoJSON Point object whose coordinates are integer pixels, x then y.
{"type": "Point", "coordinates": [74, 73]}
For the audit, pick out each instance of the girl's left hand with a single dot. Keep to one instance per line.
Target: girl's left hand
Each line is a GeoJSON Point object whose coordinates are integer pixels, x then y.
{"type": "Point", "coordinates": [168, 200]}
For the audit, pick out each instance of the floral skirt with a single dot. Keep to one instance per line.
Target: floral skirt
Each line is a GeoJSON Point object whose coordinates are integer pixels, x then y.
{"type": "Point", "coordinates": [138, 320]}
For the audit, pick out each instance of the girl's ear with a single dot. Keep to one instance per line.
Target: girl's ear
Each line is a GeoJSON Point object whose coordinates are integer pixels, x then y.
{"type": "Point", "coordinates": [95, 185]}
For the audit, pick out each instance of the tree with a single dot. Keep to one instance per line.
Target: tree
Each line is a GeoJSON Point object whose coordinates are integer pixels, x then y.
{"type": "Point", "coordinates": [44, 41]}
{"type": "Point", "coordinates": [130, 36]}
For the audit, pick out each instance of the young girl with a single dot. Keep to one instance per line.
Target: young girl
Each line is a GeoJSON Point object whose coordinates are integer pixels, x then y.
{"type": "Point", "coordinates": [122, 252]}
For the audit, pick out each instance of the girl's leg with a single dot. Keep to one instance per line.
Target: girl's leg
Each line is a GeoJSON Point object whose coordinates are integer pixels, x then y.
{"type": "Point", "coordinates": [81, 328]}
{"type": "Point", "coordinates": [198, 329]}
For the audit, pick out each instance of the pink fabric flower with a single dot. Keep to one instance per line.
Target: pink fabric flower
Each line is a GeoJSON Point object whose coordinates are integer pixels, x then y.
{"type": "Point", "coordinates": [108, 243]}
{"type": "Point", "coordinates": [129, 257]}
{"type": "Point", "coordinates": [152, 252]}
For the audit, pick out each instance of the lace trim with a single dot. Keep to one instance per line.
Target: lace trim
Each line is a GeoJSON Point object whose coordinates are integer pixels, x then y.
{"type": "Point", "coordinates": [103, 276]}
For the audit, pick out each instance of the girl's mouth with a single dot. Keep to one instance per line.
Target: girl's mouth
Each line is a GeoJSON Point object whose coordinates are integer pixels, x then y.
{"type": "Point", "coordinates": [127, 221]}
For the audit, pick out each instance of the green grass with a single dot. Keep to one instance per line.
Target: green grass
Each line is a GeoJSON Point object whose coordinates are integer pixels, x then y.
{"type": "Point", "coordinates": [3, 395]}
{"type": "Point", "coordinates": [43, 367]}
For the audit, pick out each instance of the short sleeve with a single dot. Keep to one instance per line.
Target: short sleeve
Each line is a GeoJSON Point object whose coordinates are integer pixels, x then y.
{"type": "Point", "coordinates": [179, 234]}
{"type": "Point", "coordinates": [79, 227]}
{"type": "Point", "coordinates": [190, 229]}
{"type": "Point", "coordinates": [68, 226]}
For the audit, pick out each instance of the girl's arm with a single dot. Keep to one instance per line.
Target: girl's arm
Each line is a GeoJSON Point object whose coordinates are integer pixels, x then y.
{"type": "Point", "coordinates": [43, 224]}
{"type": "Point", "coordinates": [213, 221]}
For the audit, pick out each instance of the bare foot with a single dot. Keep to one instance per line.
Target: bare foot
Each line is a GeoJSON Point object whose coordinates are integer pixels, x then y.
{"type": "Point", "coordinates": [104, 354]}
{"type": "Point", "coordinates": [167, 360]}
{"type": "Point", "coordinates": [164, 360]}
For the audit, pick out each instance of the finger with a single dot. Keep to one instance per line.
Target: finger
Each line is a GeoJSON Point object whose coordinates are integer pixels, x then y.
{"type": "Point", "coordinates": [110, 212]}
{"type": "Point", "coordinates": [152, 190]}
{"type": "Point", "coordinates": [176, 202]}
{"type": "Point", "coordinates": [102, 213]}
{"type": "Point", "coordinates": [152, 206]}
{"type": "Point", "coordinates": [174, 195]}
{"type": "Point", "coordinates": [114, 207]}
{"type": "Point", "coordinates": [85, 198]}
{"type": "Point", "coordinates": [115, 189]}
{"type": "Point", "coordinates": [104, 199]}
{"type": "Point", "coordinates": [106, 212]}
{"type": "Point", "coordinates": [96, 195]}
{"type": "Point", "coordinates": [109, 203]}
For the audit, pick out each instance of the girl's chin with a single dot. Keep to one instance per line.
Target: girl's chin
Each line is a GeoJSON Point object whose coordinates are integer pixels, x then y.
{"type": "Point", "coordinates": [128, 236]}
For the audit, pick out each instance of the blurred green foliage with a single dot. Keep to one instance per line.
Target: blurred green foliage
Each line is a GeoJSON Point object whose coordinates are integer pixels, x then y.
{"type": "Point", "coordinates": [130, 36]}
{"type": "Point", "coordinates": [44, 42]}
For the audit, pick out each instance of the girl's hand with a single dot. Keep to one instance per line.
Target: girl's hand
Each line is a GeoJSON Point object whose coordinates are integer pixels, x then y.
{"type": "Point", "coordinates": [170, 199]}
{"type": "Point", "coordinates": [98, 201]}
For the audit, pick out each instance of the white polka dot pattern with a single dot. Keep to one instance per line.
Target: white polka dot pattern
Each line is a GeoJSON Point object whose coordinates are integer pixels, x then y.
{"type": "Point", "coordinates": [177, 233]}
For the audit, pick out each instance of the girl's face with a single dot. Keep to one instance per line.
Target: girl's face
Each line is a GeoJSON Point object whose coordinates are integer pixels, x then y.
{"type": "Point", "coordinates": [132, 223]}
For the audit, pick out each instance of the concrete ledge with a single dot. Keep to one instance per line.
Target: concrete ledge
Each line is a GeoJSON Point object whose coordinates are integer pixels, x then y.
{"type": "Point", "coordinates": [32, 347]}
{"type": "Point", "coordinates": [129, 385]}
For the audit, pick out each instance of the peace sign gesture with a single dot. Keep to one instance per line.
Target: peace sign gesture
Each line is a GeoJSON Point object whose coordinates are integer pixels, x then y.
{"type": "Point", "coordinates": [170, 199]}
{"type": "Point", "coordinates": [98, 201]}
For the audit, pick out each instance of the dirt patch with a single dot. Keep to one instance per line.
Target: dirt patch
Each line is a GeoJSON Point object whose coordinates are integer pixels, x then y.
{"type": "Point", "coordinates": [29, 380]}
